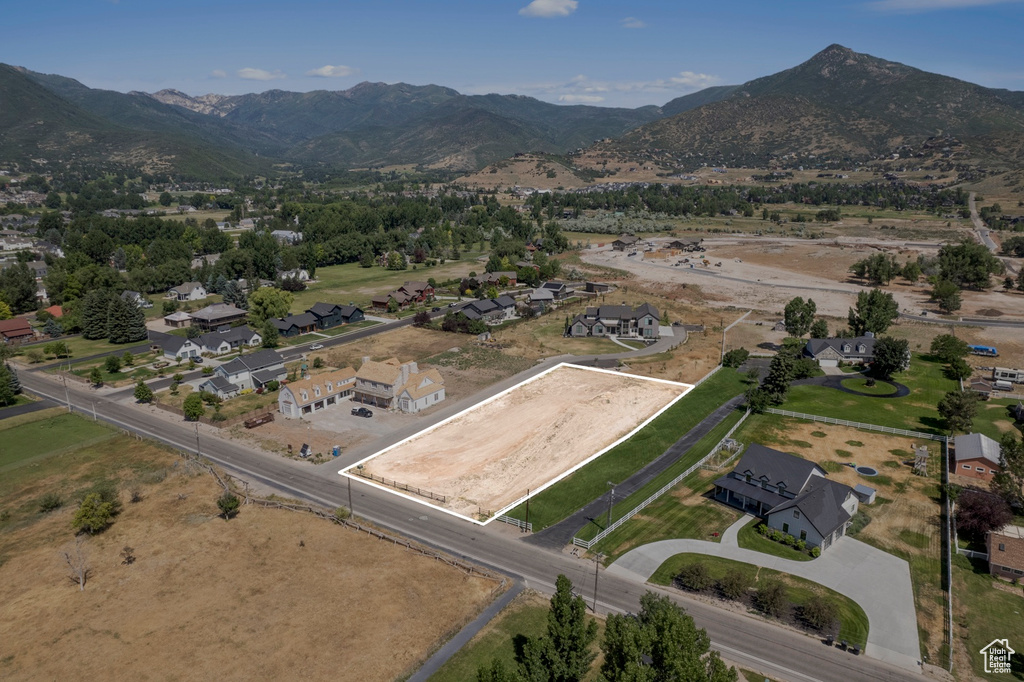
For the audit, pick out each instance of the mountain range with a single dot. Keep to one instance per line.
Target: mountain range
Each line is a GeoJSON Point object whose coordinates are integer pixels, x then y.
{"type": "Point", "coordinates": [837, 104]}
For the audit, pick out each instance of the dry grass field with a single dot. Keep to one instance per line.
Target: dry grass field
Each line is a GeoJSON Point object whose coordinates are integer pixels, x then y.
{"type": "Point", "coordinates": [271, 594]}
{"type": "Point", "coordinates": [489, 456]}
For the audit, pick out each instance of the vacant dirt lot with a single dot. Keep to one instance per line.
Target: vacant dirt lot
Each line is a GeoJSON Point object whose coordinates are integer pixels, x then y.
{"type": "Point", "coordinates": [490, 456]}
{"type": "Point", "coordinates": [271, 594]}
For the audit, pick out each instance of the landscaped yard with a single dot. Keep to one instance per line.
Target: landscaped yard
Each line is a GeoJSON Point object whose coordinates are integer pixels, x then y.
{"type": "Point", "coordinates": [993, 418]}
{"type": "Point", "coordinates": [865, 385]}
{"type": "Point", "coordinates": [749, 538]}
{"type": "Point", "coordinates": [916, 412]}
{"type": "Point", "coordinates": [618, 464]}
{"type": "Point", "coordinates": [229, 408]}
{"type": "Point", "coordinates": [853, 621]}
{"type": "Point", "coordinates": [81, 347]}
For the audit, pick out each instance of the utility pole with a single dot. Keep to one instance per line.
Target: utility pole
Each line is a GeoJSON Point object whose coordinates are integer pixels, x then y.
{"type": "Point", "coordinates": [722, 322]}
{"type": "Point", "coordinates": [597, 565]}
{"type": "Point", "coordinates": [198, 453]}
{"type": "Point", "coordinates": [67, 396]}
{"type": "Point", "coordinates": [611, 499]}
{"type": "Point", "coordinates": [527, 510]}
{"type": "Point", "coordinates": [94, 410]}
{"type": "Point", "coordinates": [351, 511]}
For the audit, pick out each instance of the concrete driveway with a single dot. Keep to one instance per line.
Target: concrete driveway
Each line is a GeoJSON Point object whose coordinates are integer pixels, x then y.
{"type": "Point", "coordinates": [879, 582]}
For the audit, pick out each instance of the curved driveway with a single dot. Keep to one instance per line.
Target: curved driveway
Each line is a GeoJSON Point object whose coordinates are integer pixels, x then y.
{"type": "Point", "coordinates": [879, 582]}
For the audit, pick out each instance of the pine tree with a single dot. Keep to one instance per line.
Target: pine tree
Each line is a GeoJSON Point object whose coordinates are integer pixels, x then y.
{"type": "Point", "coordinates": [53, 328]}
{"type": "Point", "coordinates": [6, 394]}
{"type": "Point", "coordinates": [14, 382]}
{"type": "Point", "coordinates": [118, 318]}
{"type": "Point", "coordinates": [136, 323]}
{"type": "Point", "coordinates": [95, 309]}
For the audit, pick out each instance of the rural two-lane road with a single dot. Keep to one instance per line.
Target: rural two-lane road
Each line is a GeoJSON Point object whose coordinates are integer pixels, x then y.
{"type": "Point", "coordinates": [744, 640]}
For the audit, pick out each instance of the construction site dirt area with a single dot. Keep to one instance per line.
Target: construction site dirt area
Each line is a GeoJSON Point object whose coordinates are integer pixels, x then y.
{"type": "Point", "coordinates": [271, 594]}
{"type": "Point", "coordinates": [485, 459]}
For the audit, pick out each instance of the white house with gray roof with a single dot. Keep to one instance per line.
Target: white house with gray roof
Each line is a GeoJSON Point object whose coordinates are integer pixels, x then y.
{"type": "Point", "coordinates": [791, 494]}
{"type": "Point", "coordinates": [618, 320]}
{"type": "Point", "coordinates": [254, 370]}
{"type": "Point", "coordinates": [859, 350]}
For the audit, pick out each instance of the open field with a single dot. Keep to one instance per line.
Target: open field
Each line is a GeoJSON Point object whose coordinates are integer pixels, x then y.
{"type": "Point", "coordinates": [985, 609]}
{"type": "Point", "coordinates": [350, 283]}
{"type": "Point", "coordinates": [853, 622]}
{"type": "Point", "coordinates": [488, 457]}
{"type": "Point", "coordinates": [205, 598]}
{"type": "Point", "coordinates": [904, 519]}
{"type": "Point", "coordinates": [621, 462]}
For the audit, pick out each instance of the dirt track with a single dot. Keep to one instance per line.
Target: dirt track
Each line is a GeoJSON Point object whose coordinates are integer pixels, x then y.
{"type": "Point", "coordinates": [490, 456]}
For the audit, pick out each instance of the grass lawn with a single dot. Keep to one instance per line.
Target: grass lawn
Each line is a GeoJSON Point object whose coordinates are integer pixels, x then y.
{"type": "Point", "coordinates": [81, 347]}
{"type": "Point", "coordinates": [993, 418]}
{"type": "Point", "coordinates": [984, 613]}
{"type": "Point", "coordinates": [526, 616]}
{"type": "Point", "coordinates": [319, 336]}
{"type": "Point", "coordinates": [350, 283]}
{"type": "Point", "coordinates": [590, 482]}
{"type": "Point", "coordinates": [749, 538]}
{"type": "Point", "coordinates": [548, 330]}
{"type": "Point", "coordinates": [916, 411]}
{"type": "Point", "coordinates": [29, 441]}
{"type": "Point", "coordinates": [861, 384]}
{"type": "Point", "coordinates": [20, 399]}
{"type": "Point", "coordinates": [675, 502]}
{"type": "Point", "coordinates": [853, 621]}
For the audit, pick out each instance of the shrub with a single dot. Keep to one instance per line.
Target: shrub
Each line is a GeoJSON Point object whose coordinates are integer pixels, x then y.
{"type": "Point", "coordinates": [789, 540]}
{"type": "Point", "coordinates": [207, 371]}
{"type": "Point", "coordinates": [49, 502]}
{"type": "Point", "coordinates": [695, 577]}
{"type": "Point", "coordinates": [318, 362]}
{"type": "Point", "coordinates": [342, 513]}
{"type": "Point", "coordinates": [762, 529]}
{"type": "Point", "coordinates": [801, 545]}
{"type": "Point", "coordinates": [735, 357]}
{"type": "Point", "coordinates": [274, 385]}
{"type": "Point", "coordinates": [777, 535]}
{"type": "Point", "coordinates": [218, 417]}
{"type": "Point", "coordinates": [228, 504]}
{"type": "Point", "coordinates": [734, 584]}
{"type": "Point", "coordinates": [771, 597]}
{"type": "Point", "coordinates": [93, 515]}
{"type": "Point", "coordinates": [816, 552]}
{"type": "Point", "coordinates": [819, 612]}
{"type": "Point", "coordinates": [112, 364]}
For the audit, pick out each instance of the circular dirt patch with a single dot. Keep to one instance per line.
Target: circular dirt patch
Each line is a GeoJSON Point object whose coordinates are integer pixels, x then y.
{"type": "Point", "coordinates": [866, 471]}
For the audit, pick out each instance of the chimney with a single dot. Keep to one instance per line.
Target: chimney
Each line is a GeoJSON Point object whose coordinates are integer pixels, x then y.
{"type": "Point", "coordinates": [366, 359]}
{"type": "Point", "coordinates": [869, 335]}
{"type": "Point", "coordinates": [403, 375]}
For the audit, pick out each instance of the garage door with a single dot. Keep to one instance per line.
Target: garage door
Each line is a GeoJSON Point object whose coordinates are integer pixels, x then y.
{"type": "Point", "coordinates": [828, 363]}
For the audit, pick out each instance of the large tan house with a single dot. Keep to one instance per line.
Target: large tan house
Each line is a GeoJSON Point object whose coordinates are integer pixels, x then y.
{"type": "Point", "coordinates": [316, 393]}
{"type": "Point", "coordinates": [393, 385]}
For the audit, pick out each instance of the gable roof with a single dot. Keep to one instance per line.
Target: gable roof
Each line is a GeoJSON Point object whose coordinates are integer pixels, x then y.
{"type": "Point", "coordinates": [542, 295]}
{"type": "Point", "coordinates": [627, 239]}
{"type": "Point", "coordinates": [255, 361]}
{"type": "Point", "coordinates": [386, 372]}
{"type": "Point", "coordinates": [778, 466]}
{"type": "Point", "coordinates": [816, 346]}
{"type": "Point", "coordinates": [172, 344]}
{"type": "Point", "coordinates": [821, 503]}
{"type": "Point", "coordinates": [339, 379]}
{"type": "Point", "coordinates": [187, 287]}
{"type": "Point", "coordinates": [300, 320]}
{"type": "Point", "coordinates": [976, 446]}
{"type": "Point", "coordinates": [233, 335]}
{"type": "Point", "coordinates": [219, 383]}
{"type": "Point", "coordinates": [323, 309]}
{"type": "Point", "coordinates": [422, 383]}
{"type": "Point", "coordinates": [16, 326]}
{"type": "Point", "coordinates": [505, 301]}
{"type": "Point", "coordinates": [218, 311]}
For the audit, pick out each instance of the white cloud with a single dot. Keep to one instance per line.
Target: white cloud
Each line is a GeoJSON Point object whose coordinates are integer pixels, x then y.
{"type": "Point", "coordinates": [916, 6]}
{"type": "Point", "coordinates": [332, 71]}
{"type": "Point", "coordinates": [549, 8]}
{"type": "Point", "coordinates": [251, 74]}
{"type": "Point", "coordinates": [218, 73]}
{"type": "Point", "coordinates": [580, 99]}
{"type": "Point", "coordinates": [632, 22]}
{"type": "Point", "coordinates": [698, 81]}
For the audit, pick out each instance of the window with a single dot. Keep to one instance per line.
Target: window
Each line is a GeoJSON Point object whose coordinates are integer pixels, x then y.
{"type": "Point", "coordinates": [981, 469]}
{"type": "Point", "coordinates": [785, 528]}
{"type": "Point", "coordinates": [803, 535]}
{"type": "Point", "coordinates": [1002, 547]}
{"type": "Point", "coordinates": [748, 478]}
{"type": "Point", "coordinates": [796, 513]}
{"type": "Point", "coordinates": [967, 466]}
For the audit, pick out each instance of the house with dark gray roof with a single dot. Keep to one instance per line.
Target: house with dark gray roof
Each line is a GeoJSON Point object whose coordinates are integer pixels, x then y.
{"type": "Point", "coordinates": [333, 314]}
{"type": "Point", "coordinates": [295, 325]}
{"type": "Point", "coordinates": [859, 350]}
{"type": "Point", "coordinates": [176, 347]}
{"type": "Point", "coordinates": [219, 386]}
{"type": "Point", "coordinates": [217, 316]}
{"type": "Point", "coordinates": [626, 241]}
{"type": "Point", "coordinates": [254, 370]}
{"type": "Point", "coordinates": [491, 310]}
{"type": "Point", "coordinates": [227, 340]}
{"type": "Point", "coordinates": [791, 494]}
{"type": "Point", "coordinates": [618, 320]}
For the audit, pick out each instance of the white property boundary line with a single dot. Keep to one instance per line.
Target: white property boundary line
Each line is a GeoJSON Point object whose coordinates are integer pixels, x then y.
{"type": "Point", "coordinates": [686, 388]}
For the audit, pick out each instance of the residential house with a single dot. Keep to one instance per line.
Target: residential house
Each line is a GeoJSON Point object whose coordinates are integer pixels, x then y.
{"type": "Point", "coordinates": [136, 298]}
{"type": "Point", "coordinates": [217, 316]}
{"type": "Point", "coordinates": [177, 347]}
{"type": "Point", "coordinates": [400, 298]}
{"type": "Point", "coordinates": [39, 268]}
{"type": "Point", "coordinates": [527, 264]}
{"type": "Point", "coordinates": [16, 330]}
{"type": "Point", "coordinates": [255, 370]}
{"type": "Point", "coordinates": [495, 278]}
{"type": "Point", "coordinates": [418, 292]}
{"type": "Point", "coordinates": [221, 387]}
{"type": "Point", "coordinates": [597, 287]}
{"type": "Point", "coordinates": [395, 385]}
{"type": "Point", "coordinates": [178, 319]}
{"type": "Point", "coordinates": [316, 393]}
{"type": "Point", "coordinates": [541, 299]}
{"type": "Point", "coordinates": [830, 352]}
{"type": "Point", "coordinates": [55, 310]}
{"type": "Point", "coordinates": [286, 236]}
{"type": "Point", "coordinates": [227, 340]}
{"type": "Point", "coordinates": [295, 325]}
{"type": "Point", "coordinates": [559, 289]}
{"type": "Point", "coordinates": [976, 455]}
{"type": "Point", "coordinates": [625, 242]}
{"type": "Point", "coordinates": [1006, 552]}
{"type": "Point", "coordinates": [246, 224]}
{"type": "Point", "coordinates": [618, 320]}
{"type": "Point", "coordinates": [330, 315]}
{"type": "Point", "coordinates": [189, 291]}
{"type": "Point", "coordinates": [691, 244]}
{"type": "Point", "coordinates": [491, 310]}
{"type": "Point", "coordinates": [791, 494]}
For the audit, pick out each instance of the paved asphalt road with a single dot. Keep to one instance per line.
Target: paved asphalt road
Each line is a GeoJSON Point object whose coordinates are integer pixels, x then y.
{"type": "Point", "coordinates": [744, 640]}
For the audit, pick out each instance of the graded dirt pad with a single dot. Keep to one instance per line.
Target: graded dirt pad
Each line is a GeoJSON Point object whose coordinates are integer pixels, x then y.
{"type": "Point", "coordinates": [271, 594]}
{"type": "Point", "coordinates": [489, 456]}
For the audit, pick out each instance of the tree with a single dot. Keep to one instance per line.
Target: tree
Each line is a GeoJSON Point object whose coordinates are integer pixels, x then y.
{"type": "Point", "coordinates": [978, 512]}
{"type": "Point", "coordinates": [421, 319]}
{"type": "Point", "coordinates": [959, 370]}
{"type": "Point", "coordinates": [771, 597]}
{"type": "Point", "coordinates": [661, 642]}
{"type": "Point", "coordinates": [268, 302]}
{"type": "Point", "coordinates": [819, 330]}
{"type": "Point", "coordinates": [780, 373]}
{"type": "Point", "coordinates": [1009, 481]}
{"type": "Point", "coordinates": [96, 377]}
{"type": "Point", "coordinates": [235, 295]}
{"type": "Point", "coordinates": [94, 514]}
{"type": "Point", "coordinates": [143, 393]}
{"type": "Point", "coordinates": [496, 672]}
{"type": "Point", "coordinates": [193, 407]}
{"type": "Point", "coordinates": [875, 312]}
{"type": "Point", "coordinates": [228, 504]}
{"type": "Point", "coordinates": [396, 261]}
{"type": "Point", "coordinates": [166, 199]}
{"type": "Point", "coordinates": [734, 584]}
{"type": "Point", "coordinates": [13, 380]}
{"type": "Point", "coordinates": [271, 337]}
{"type": "Point", "coordinates": [53, 328]}
{"type": "Point", "coordinates": [5, 311]}
{"type": "Point", "coordinates": [948, 348]}
{"type": "Point", "coordinates": [959, 408]}
{"type": "Point", "coordinates": [878, 269]}
{"type": "Point", "coordinates": [891, 356]}
{"type": "Point", "coordinates": [95, 310]}
{"type": "Point", "coordinates": [6, 394]}
{"type": "Point", "coordinates": [567, 650]}
{"type": "Point", "coordinates": [968, 264]}
{"type": "Point", "coordinates": [695, 577]}
{"type": "Point", "coordinates": [911, 272]}
{"type": "Point", "coordinates": [947, 295]}
{"type": "Point", "coordinates": [112, 364]}
{"type": "Point", "coordinates": [735, 357]}
{"type": "Point", "coordinates": [77, 563]}
{"type": "Point", "coordinates": [18, 287]}
{"type": "Point", "coordinates": [820, 612]}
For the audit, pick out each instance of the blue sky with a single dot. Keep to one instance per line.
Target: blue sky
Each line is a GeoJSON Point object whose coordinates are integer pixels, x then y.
{"type": "Point", "coordinates": [606, 52]}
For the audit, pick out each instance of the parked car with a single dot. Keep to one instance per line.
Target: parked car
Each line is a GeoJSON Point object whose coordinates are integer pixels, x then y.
{"type": "Point", "coordinates": [361, 412]}
{"type": "Point", "coordinates": [435, 309]}
{"type": "Point", "coordinates": [316, 346]}
{"type": "Point", "coordinates": [198, 359]}
{"type": "Point", "coordinates": [452, 305]}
